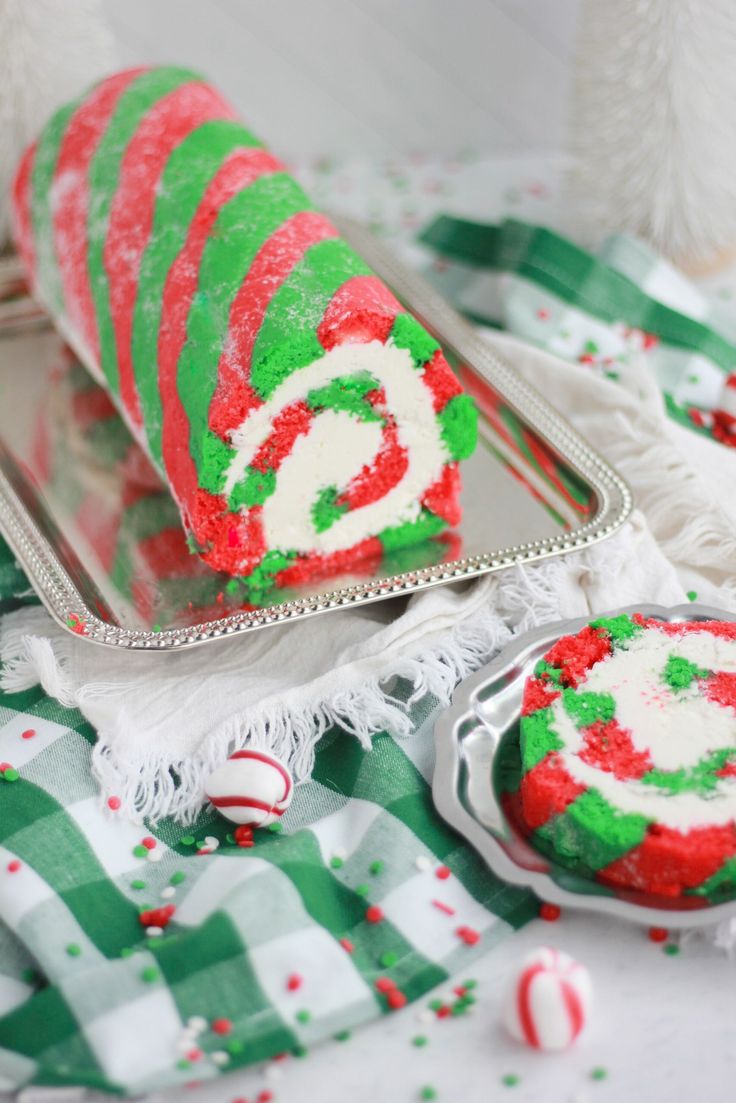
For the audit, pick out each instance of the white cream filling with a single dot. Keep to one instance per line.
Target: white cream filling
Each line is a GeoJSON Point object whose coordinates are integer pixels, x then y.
{"type": "Point", "coordinates": [338, 446]}
{"type": "Point", "coordinates": [677, 728]}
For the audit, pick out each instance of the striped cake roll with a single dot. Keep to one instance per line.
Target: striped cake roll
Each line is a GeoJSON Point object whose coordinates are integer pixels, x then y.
{"type": "Point", "coordinates": [628, 755]}
{"type": "Point", "coordinates": [301, 418]}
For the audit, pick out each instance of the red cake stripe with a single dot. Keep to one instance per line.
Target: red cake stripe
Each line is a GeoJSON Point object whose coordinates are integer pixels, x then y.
{"type": "Point", "coordinates": [609, 747]}
{"type": "Point", "coordinates": [575, 655]}
{"type": "Point", "coordinates": [668, 861]}
{"type": "Point", "coordinates": [547, 789]}
{"type": "Point", "coordinates": [385, 471]}
{"type": "Point", "coordinates": [362, 310]}
{"type": "Point", "coordinates": [238, 171]}
{"type": "Point", "coordinates": [165, 125]}
{"type": "Point", "coordinates": [21, 211]}
{"type": "Point", "coordinates": [724, 629]}
{"type": "Point", "coordinates": [272, 265]}
{"type": "Point", "coordinates": [721, 688]}
{"type": "Point", "coordinates": [234, 542]}
{"type": "Point", "coordinates": [441, 380]}
{"type": "Point", "coordinates": [538, 695]}
{"type": "Point", "coordinates": [70, 200]}
{"type": "Point", "coordinates": [362, 559]}
{"type": "Point", "coordinates": [287, 426]}
{"type": "Point", "coordinates": [443, 496]}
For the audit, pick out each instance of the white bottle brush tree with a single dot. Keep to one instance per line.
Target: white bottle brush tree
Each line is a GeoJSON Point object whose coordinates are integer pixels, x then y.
{"type": "Point", "coordinates": [50, 50]}
{"type": "Point", "coordinates": [654, 126]}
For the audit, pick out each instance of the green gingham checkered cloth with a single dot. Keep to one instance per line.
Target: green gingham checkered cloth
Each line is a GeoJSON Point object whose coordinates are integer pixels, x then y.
{"type": "Point", "coordinates": [87, 998]}
{"type": "Point", "coordinates": [597, 310]}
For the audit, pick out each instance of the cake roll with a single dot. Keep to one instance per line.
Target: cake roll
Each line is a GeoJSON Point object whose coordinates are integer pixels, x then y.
{"type": "Point", "coordinates": [302, 419]}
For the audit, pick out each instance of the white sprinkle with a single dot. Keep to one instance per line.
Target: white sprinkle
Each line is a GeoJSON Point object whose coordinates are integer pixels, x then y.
{"type": "Point", "coordinates": [219, 1057]}
{"type": "Point", "coordinates": [273, 1071]}
{"type": "Point", "coordinates": [154, 932]}
{"type": "Point", "coordinates": [196, 1024]}
{"type": "Point", "coordinates": [154, 855]}
{"type": "Point", "coordinates": [423, 863]}
{"type": "Point", "coordinates": [211, 842]}
{"type": "Point", "coordinates": [425, 1017]}
{"type": "Point", "coordinates": [168, 892]}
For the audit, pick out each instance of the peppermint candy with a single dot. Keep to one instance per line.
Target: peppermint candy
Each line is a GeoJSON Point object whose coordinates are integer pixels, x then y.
{"type": "Point", "coordinates": [548, 1000]}
{"type": "Point", "coordinates": [252, 787]}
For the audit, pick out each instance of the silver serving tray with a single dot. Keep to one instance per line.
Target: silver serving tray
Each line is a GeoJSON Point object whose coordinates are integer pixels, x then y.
{"type": "Point", "coordinates": [470, 738]}
{"type": "Point", "coordinates": [533, 489]}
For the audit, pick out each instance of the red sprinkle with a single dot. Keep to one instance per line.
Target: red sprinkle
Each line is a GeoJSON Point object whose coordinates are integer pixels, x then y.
{"type": "Point", "coordinates": [13, 866]}
{"type": "Point", "coordinates": [550, 912]}
{"type": "Point", "coordinates": [658, 934]}
{"type": "Point", "coordinates": [194, 1054]}
{"type": "Point", "coordinates": [157, 917]}
{"type": "Point", "coordinates": [385, 984]}
{"type": "Point", "coordinates": [28, 733]}
{"type": "Point", "coordinates": [294, 982]}
{"type": "Point", "coordinates": [113, 803]}
{"type": "Point", "coordinates": [347, 945]}
{"type": "Point", "coordinates": [149, 842]}
{"type": "Point", "coordinates": [396, 999]}
{"type": "Point", "coordinates": [5, 766]}
{"type": "Point", "coordinates": [469, 936]}
{"type": "Point", "coordinates": [442, 872]}
{"type": "Point", "coordinates": [374, 914]}
{"type": "Point", "coordinates": [243, 835]}
{"type": "Point", "coordinates": [444, 1011]}
{"type": "Point", "coordinates": [221, 1026]}
{"type": "Point", "coordinates": [443, 907]}
{"type": "Point", "coordinates": [264, 1097]}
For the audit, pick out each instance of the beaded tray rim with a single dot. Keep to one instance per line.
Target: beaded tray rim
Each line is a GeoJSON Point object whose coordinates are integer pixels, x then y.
{"type": "Point", "coordinates": [66, 604]}
{"type": "Point", "coordinates": [462, 720]}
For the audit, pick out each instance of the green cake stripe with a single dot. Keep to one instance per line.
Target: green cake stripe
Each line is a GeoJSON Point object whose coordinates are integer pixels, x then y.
{"type": "Point", "coordinates": [44, 167]}
{"type": "Point", "coordinates": [135, 102]}
{"type": "Point", "coordinates": [619, 629]}
{"type": "Point", "coordinates": [426, 525]}
{"type": "Point", "coordinates": [408, 333]}
{"type": "Point", "coordinates": [592, 832]}
{"type": "Point", "coordinates": [242, 227]}
{"type": "Point", "coordinates": [680, 673]}
{"type": "Point", "coordinates": [538, 738]}
{"type": "Point", "coordinates": [287, 339]}
{"type": "Point", "coordinates": [459, 423]}
{"type": "Point", "coordinates": [185, 179]}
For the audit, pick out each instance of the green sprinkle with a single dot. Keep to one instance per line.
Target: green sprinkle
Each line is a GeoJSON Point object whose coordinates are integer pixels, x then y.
{"type": "Point", "coordinates": [420, 1040]}
{"type": "Point", "coordinates": [389, 959]}
{"type": "Point", "coordinates": [428, 1092]}
{"type": "Point", "coordinates": [149, 974]}
{"type": "Point", "coordinates": [510, 1080]}
{"type": "Point", "coordinates": [672, 949]}
{"type": "Point", "coordinates": [343, 1036]}
{"type": "Point", "coordinates": [187, 840]}
{"type": "Point", "coordinates": [177, 878]}
{"type": "Point", "coordinates": [140, 851]}
{"type": "Point", "coordinates": [11, 774]}
{"type": "Point", "coordinates": [235, 1047]}
{"type": "Point", "coordinates": [303, 1016]}
{"type": "Point", "coordinates": [362, 890]}
{"type": "Point", "coordinates": [137, 885]}
{"type": "Point", "coordinates": [127, 951]}
{"type": "Point", "coordinates": [470, 984]}
{"type": "Point", "coordinates": [156, 628]}
{"type": "Point", "coordinates": [376, 867]}
{"type": "Point", "coordinates": [201, 844]}
{"type": "Point", "coordinates": [230, 838]}
{"type": "Point", "coordinates": [336, 862]}
{"type": "Point", "coordinates": [73, 949]}
{"type": "Point", "coordinates": [299, 1051]}
{"type": "Point", "coordinates": [435, 1005]}
{"type": "Point", "coordinates": [182, 1063]}
{"type": "Point", "coordinates": [692, 595]}
{"type": "Point", "coordinates": [276, 828]}
{"type": "Point", "coordinates": [598, 1073]}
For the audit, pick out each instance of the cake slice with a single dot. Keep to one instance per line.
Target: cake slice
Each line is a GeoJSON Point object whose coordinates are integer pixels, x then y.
{"type": "Point", "coordinates": [301, 418]}
{"type": "Point", "coordinates": [628, 748]}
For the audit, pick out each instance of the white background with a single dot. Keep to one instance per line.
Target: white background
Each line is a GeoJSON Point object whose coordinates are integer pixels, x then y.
{"type": "Point", "coordinates": [372, 76]}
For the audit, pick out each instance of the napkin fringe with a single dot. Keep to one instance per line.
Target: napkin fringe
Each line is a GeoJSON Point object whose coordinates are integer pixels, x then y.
{"type": "Point", "coordinates": [154, 786]}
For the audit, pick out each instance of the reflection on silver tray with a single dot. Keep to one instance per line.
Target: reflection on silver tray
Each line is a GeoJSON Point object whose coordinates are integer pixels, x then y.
{"type": "Point", "coordinates": [100, 538]}
{"type": "Point", "coordinates": [470, 739]}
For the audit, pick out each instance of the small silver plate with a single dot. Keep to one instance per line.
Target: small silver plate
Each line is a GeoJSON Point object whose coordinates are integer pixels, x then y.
{"type": "Point", "coordinates": [113, 571]}
{"type": "Point", "coordinates": [473, 737]}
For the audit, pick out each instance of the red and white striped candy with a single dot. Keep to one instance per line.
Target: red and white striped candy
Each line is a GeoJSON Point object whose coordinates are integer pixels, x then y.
{"type": "Point", "coordinates": [548, 1000]}
{"type": "Point", "coordinates": [252, 787]}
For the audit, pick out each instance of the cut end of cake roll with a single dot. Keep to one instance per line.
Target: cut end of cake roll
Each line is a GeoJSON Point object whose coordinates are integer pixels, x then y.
{"type": "Point", "coordinates": [304, 422]}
